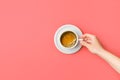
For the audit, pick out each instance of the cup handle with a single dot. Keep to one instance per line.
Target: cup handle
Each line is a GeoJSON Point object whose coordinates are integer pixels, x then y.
{"type": "Point", "coordinates": [80, 39]}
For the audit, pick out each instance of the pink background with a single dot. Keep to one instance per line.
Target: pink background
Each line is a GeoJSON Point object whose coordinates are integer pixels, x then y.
{"type": "Point", "coordinates": [27, 50]}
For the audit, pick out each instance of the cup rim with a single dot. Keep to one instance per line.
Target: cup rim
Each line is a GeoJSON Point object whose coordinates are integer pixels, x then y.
{"type": "Point", "coordinates": [76, 39]}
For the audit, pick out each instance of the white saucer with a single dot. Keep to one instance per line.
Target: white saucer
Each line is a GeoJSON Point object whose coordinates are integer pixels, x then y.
{"type": "Point", "coordinates": [67, 27]}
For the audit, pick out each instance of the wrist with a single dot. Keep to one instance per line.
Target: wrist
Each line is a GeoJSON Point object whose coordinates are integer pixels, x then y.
{"type": "Point", "coordinates": [101, 51]}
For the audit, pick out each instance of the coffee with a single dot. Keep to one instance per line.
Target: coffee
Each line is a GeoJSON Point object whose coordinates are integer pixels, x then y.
{"type": "Point", "coordinates": [68, 39]}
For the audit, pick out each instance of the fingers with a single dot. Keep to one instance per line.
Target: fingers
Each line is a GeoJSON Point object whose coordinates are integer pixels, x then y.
{"type": "Point", "coordinates": [85, 44]}
{"type": "Point", "coordinates": [87, 40]}
{"type": "Point", "coordinates": [87, 36]}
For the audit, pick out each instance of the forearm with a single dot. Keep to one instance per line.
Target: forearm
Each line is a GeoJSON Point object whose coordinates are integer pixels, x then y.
{"type": "Point", "coordinates": [113, 60]}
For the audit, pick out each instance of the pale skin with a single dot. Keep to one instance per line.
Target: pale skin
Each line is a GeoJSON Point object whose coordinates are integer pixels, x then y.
{"type": "Point", "coordinates": [94, 46]}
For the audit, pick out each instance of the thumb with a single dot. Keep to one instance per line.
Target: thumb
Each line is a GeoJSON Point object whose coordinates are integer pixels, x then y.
{"type": "Point", "coordinates": [84, 44]}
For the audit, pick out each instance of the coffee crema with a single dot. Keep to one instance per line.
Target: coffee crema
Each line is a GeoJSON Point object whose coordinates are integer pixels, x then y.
{"type": "Point", "coordinates": [68, 39]}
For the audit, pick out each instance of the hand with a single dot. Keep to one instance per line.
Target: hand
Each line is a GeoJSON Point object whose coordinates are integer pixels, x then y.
{"type": "Point", "coordinates": [91, 42]}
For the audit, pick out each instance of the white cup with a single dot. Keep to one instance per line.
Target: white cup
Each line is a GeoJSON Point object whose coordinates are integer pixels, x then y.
{"type": "Point", "coordinates": [76, 40]}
